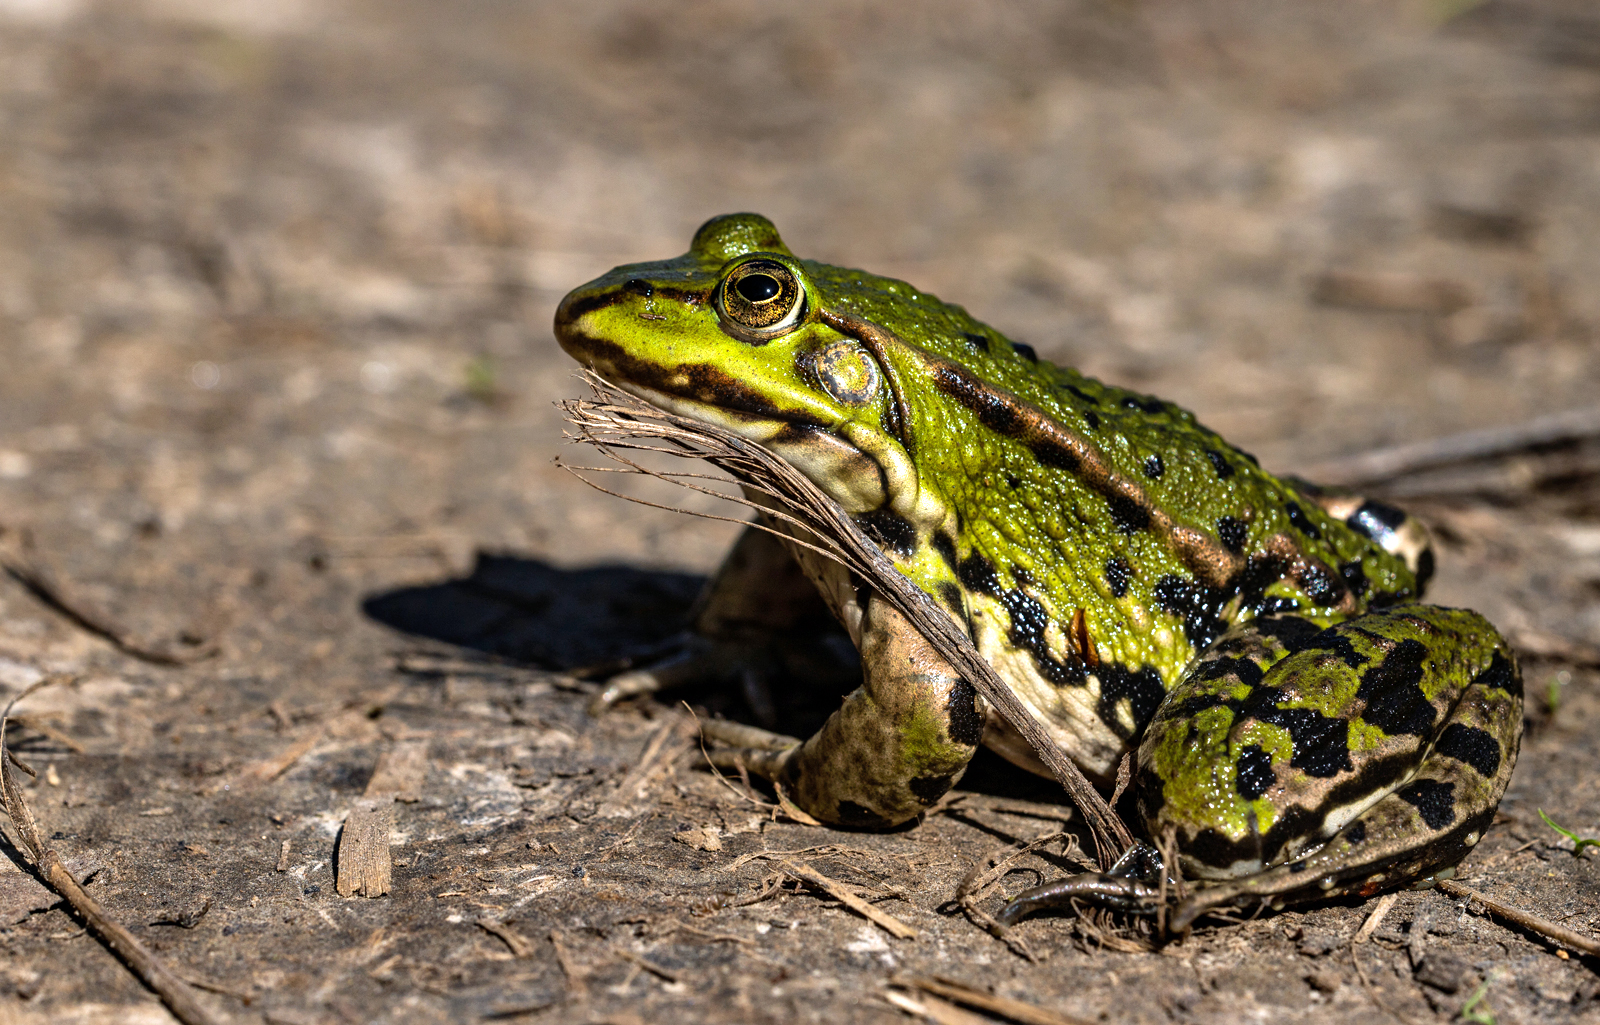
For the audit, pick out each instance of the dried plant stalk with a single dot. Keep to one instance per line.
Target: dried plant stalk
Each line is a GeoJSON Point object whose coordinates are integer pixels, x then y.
{"type": "Point", "coordinates": [177, 994]}
{"type": "Point", "coordinates": [616, 423]}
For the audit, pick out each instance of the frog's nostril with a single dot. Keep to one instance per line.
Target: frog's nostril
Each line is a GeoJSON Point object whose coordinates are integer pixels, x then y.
{"type": "Point", "coordinates": [639, 286]}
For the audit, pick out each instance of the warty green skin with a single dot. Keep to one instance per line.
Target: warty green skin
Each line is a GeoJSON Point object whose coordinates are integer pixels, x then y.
{"type": "Point", "coordinates": [1094, 542]}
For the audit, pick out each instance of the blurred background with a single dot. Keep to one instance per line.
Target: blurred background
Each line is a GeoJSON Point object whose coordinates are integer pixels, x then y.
{"type": "Point", "coordinates": [274, 270]}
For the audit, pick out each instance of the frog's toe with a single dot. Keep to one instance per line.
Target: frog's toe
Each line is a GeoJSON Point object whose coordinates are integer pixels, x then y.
{"type": "Point", "coordinates": [691, 658]}
{"type": "Point", "coordinates": [756, 750]}
{"type": "Point", "coordinates": [1101, 889]}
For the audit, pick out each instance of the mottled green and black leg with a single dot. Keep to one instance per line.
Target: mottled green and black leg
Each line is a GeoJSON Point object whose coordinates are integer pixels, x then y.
{"type": "Point", "coordinates": [895, 746]}
{"type": "Point", "coordinates": [1294, 762]}
{"type": "Point", "coordinates": [759, 592]}
{"type": "Point", "coordinates": [1393, 529]}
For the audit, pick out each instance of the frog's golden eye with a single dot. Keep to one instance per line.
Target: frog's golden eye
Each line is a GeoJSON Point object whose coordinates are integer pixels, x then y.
{"type": "Point", "coordinates": [760, 299]}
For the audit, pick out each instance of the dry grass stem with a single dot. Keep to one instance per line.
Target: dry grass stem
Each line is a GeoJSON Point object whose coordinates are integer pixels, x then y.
{"type": "Point", "coordinates": [614, 421]}
{"type": "Point", "coordinates": [839, 892]}
{"type": "Point", "coordinates": [661, 751]}
{"type": "Point", "coordinates": [1557, 933]}
{"type": "Point", "coordinates": [1015, 1010]}
{"type": "Point", "coordinates": [520, 946]}
{"type": "Point", "coordinates": [1375, 918]}
{"type": "Point", "coordinates": [177, 994]}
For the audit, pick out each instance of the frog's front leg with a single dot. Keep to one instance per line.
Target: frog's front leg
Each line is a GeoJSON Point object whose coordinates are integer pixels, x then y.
{"type": "Point", "coordinates": [895, 746]}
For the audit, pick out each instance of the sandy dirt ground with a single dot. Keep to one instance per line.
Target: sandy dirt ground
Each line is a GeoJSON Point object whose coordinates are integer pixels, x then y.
{"type": "Point", "coordinates": [276, 284]}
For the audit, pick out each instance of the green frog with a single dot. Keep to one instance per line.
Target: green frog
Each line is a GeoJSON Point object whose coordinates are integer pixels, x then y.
{"type": "Point", "coordinates": [1299, 725]}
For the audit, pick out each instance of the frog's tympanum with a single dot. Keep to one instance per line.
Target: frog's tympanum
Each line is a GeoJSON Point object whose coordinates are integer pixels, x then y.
{"type": "Point", "coordinates": [1300, 724]}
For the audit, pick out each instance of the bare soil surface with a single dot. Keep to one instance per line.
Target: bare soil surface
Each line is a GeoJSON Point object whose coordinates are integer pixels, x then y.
{"type": "Point", "coordinates": [276, 282]}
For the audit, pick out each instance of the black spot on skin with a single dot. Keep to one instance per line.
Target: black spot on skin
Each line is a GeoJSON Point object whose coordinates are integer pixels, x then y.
{"type": "Point", "coordinates": [1424, 570]}
{"type": "Point", "coordinates": [1255, 775]}
{"type": "Point", "coordinates": [1336, 642]}
{"type": "Point", "coordinates": [1154, 467]}
{"type": "Point", "coordinates": [1080, 393]}
{"type": "Point", "coordinates": [1321, 744]}
{"type": "Point", "coordinates": [1091, 418]}
{"type": "Point", "coordinates": [891, 531]}
{"type": "Point", "coordinates": [1302, 522]}
{"type": "Point", "coordinates": [929, 789]}
{"type": "Point", "coordinates": [1245, 670]}
{"type": "Point", "coordinates": [1294, 633]}
{"type": "Point", "coordinates": [1129, 516]}
{"type": "Point", "coordinates": [1355, 577]}
{"type": "Point", "coordinates": [1476, 747]}
{"type": "Point", "coordinates": [1392, 691]}
{"type": "Point", "coordinates": [979, 343]}
{"type": "Point", "coordinates": [977, 574]}
{"type": "Point", "coordinates": [1501, 675]}
{"type": "Point", "coordinates": [1356, 832]}
{"type": "Point", "coordinates": [1375, 515]}
{"type": "Point", "coordinates": [1142, 688]}
{"type": "Point", "coordinates": [1013, 481]}
{"type": "Point", "coordinates": [962, 720]}
{"type": "Point", "coordinates": [1028, 623]}
{"type": "Point", "coordinates": [950, 594]}
{"type": "Point", "coordinates": [1025, 351]}
{"type": "Point", "coordinates": [638, 286]}
{"type": "Point", "coordinates": [1434, 801]}
{"type": "Point", "coordinates": [1296, 867]}
{"type": "Point", "coordinates": [1224, 470]}
{"type": "Point", "coordinates": [1151, 406]}
{"type": "Point", "coordinates": [945, 545]}
{"type": "Point", "coordinates": [1232, 533]}
{"type": "Point", "coordinates": [1197, 605]}
{"type": "Point", "coordinates": [1320, 585]}
{"type": "Point", "coordinates": [858, 817]}
{"type": "Point", "coordinates": [1118, 576]}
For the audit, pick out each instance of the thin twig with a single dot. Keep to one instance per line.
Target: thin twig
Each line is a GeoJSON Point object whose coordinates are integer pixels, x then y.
{"type": "Point", "coordinates": [1016, 1010]}
{"type": "Point", "coordinates": [890, 924]}
{"type": "Point", "coordinates": [43, 585]}
{"type": "Point", "coordinates": [1386, 464]}
{"type": "Point", "coordinates": [177, 994]}
{"type": "Point", "coordinates": [1559, 934]}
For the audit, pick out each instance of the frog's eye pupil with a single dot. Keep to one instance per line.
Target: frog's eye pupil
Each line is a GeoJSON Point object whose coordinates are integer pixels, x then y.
{"type": "Point", "coordinates": [759, 288]}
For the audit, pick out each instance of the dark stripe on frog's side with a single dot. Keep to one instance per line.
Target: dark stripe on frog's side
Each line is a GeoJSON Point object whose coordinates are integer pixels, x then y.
{"type": "Point", "coordinates": [575, 307]}
{"type": "Point", "coordinates": [707, 384]}
{"type": "Point", "coordinates": [1052, 444]}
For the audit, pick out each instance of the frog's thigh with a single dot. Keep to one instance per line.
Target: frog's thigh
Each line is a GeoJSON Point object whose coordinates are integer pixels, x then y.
{"type": "Point", "coordinates": [1463, 694]}
{"type": "Point", "coordinates": [758, 591]}
{"type": "Point", "coordinates": [899, 741]}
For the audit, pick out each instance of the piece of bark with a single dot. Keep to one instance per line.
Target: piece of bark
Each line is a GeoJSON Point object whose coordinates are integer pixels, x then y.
{"type": "Point", "coordinates": [362, 865]}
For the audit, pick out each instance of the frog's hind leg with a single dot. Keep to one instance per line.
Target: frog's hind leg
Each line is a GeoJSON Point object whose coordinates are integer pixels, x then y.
{"type": "Point", "coordinates": [1369, 755]}
{"type": "Point", "coordinates": [758, 593]}
{"type": "Point", "coordinates": [895, 746]}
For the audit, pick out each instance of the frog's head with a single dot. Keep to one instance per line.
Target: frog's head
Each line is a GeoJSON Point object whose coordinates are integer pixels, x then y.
{"type": "Point", "coordinates": [736, 333]}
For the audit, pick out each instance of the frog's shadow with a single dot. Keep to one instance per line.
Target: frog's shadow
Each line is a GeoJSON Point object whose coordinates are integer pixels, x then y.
{"type": "Point", "coordinates": [528, 611]}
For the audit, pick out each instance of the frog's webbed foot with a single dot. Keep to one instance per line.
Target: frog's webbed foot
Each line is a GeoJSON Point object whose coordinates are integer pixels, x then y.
{"type": "Point", "coordinates": [1132, 885]}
